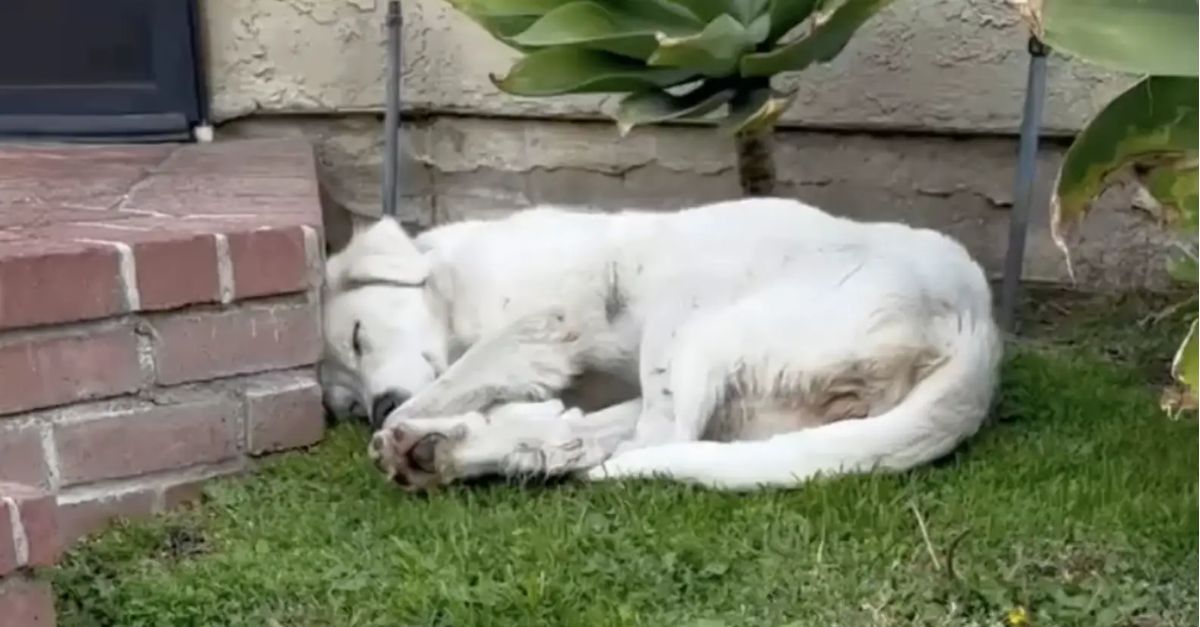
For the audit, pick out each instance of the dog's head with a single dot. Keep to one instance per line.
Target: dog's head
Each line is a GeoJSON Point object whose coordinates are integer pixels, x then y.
{"type": "Point", "coordinates": [384, 340]}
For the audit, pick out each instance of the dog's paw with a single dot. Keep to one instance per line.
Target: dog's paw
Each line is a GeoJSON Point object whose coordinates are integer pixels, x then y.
{"type": "Point", "coordinates": [413, 459]}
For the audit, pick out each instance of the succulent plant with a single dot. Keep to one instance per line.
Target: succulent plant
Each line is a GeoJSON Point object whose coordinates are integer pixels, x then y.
{"type": "Point", "coordinates": [674, 59]}
{"type": "Point", "coordinates": [1150, 129]}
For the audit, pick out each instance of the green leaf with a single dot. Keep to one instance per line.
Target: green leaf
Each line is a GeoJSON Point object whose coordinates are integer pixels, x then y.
{"type": "Point", "coordinates": [567, 70]}
{"type": "Point", "coordinates": [592, 25]}
{"type": "Point", "coordinates": [746, 11]}
{"type": "Point", "coordinates": [704, 10]}
{"type": "Point", "coordinates": [663, 11]}
{"type": "Point", "coordinates": [1183, 266]}
{"type": "Point", "coordinates": [758, 29]}
{"type": "Point", "coordinates": [1153, 123]}
{"type": "Point", "coordinates": [1186, 365]}
{"type": "Point", "coordinates": [829, 35]}
{"type": "Point", "coordinates": [788, 14]}
{"type": "Point", "coordinates": [650, 107]}
{"type": "Point", "coordinates": [507, 8]}
{"type": "Point", "coordinates": [503, 29]}
{"type": "Point", "coordinates": [1174, 186]}
{"type": "Point", "coordinates": [1156, 37]}
{"type": "Point", "coordinates": [713, 51]}
{"type": "Point", "coordinates": [756, 111]}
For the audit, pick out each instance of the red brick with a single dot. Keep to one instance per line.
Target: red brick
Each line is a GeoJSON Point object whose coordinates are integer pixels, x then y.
{"type": "Point", "coordinates": [194, 347]}
{"type": "Point", "coordinates": [37, 511]}
{"type": "Point", "coordinates": [22, 459]}
{"type": "Point", "coordinates": [268, 261]}
{"type": "Point", "coordinates": [177, 272]}
{"type": "Point", "coordinates": [76, 161]}
{"type": "Point", "coordinates": [133, 441]}
{"type": "Point", "coordinates": [207, 194]}
{"type": "Point", "coordinates": [26, 602]}
{"type": "Point", "coordinates": [35, 216]}
{"type": "Point", "coordinates": [283, 412]}
{"type": "Point", "coordinates": [52, 370]}
{"type": "Point", "coordinates": [44, 282]}
{"type": "Point", "coordinates": [176, 264]}
{"type": "Point", "coordinates": [51, 189]}
{"type": "Point", "coordinates": [76, 520]}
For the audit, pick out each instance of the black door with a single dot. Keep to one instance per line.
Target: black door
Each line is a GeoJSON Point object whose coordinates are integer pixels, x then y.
{"type": "Point", "coordinates": [99, 70]}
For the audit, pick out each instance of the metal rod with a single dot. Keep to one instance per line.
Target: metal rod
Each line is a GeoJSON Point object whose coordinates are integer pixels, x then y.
{"type": "Point", "coordinates": [1018, 220]}
{"type": "Point", "coordinates": [391, 120]}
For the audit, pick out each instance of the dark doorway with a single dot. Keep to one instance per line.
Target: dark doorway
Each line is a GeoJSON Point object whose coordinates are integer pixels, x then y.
{"type": "Point", "coordinates": [92, 70]}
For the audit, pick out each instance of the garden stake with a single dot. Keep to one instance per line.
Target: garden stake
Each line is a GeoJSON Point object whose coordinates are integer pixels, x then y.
{"type": "Point", "coordinates": [391, 120]}
{"type": "Point", "coordinates": [1018, 220]}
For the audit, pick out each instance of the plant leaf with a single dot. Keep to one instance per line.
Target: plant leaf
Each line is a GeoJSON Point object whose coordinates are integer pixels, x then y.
{"type": "Point", "coordinates": [663, 10]}
{"type": "Point", "coordinates": [746, 11]}
{"type": "Point", "coordinates": [1174, 186]}
{"type": "Point", "coordinates": [713, 51]}
{"type": "Point", "coordinates": [1153, 123]}
{"type": "Point", "coordinates": [507, 8]}
{"type": "Point", "coordinates": [1186, 365]}
{"type": "Point", "coordinates": [653, 106]}
{"type": "Point", "coordinates": [569, 70]}
{"type": "Point", "coordinates": [703, 10]}
{"type": "Point", "coordinates": [758, 29]}
{"type": "Point", "coordinates": [1157, 37]}
{"type": "Point", "coordinates": [593, 25]}
{"type": "Point", "coordinates": [788, 14]}
{"type": "Point", "coordinates": [829, 35]}
{"type": "Point", "coordinates": [756, 111]}
{"type": "Point", "coordinates": [503, 29]}
{"type": "Point", "coordinates": [1183, 266]}
{"type": "Point", "coordinates": [507, 22]}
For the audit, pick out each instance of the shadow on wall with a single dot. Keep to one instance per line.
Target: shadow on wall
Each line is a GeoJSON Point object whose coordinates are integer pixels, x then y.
{"type": "Point", "coordinates": [458, 168]}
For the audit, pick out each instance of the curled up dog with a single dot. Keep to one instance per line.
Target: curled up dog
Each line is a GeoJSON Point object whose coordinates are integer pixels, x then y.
{"type": "Point", "coordinates": [768, 341]}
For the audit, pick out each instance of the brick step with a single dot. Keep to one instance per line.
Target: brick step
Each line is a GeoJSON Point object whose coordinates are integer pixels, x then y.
{"type": "Point", "coordinates": [89, 233]}
{"type": "Point", "coordinates": [159, 318]}
{"type": "Point", "coordinates": [29, 540]}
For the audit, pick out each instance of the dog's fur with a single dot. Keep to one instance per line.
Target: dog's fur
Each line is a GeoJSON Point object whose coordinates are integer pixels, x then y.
{"type": "Point", "coordinates": [770, 342]}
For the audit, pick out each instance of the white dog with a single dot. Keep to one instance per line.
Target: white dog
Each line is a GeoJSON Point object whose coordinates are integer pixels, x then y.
{"type": "Point", "coordinates": [770, 341]}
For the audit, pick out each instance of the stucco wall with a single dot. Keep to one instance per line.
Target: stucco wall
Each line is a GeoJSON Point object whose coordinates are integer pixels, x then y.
{"type": "Point", "coordinates": [913, 122]}
{"type": "Point", "coordinates": [934, 65]}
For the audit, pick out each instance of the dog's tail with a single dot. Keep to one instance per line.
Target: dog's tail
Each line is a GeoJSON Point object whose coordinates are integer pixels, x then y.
{"type": "Point", "coordinates": [942, 410]}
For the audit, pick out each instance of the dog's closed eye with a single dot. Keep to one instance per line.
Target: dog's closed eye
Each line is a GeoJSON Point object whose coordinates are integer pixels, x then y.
{"type": "Point", "coordinates": [355, 340]}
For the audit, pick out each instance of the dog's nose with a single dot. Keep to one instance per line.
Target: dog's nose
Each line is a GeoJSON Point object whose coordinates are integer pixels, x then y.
{"type": "Point", "coordinates": [385, 404]}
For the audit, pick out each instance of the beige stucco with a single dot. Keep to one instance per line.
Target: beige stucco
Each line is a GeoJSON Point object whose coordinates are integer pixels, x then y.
{"type": "Point", "coordinates": [463, 168]}
{"type": "Point", "coordinates": [950, 73]}
{"type": "Point", "coordinates": [941, 65]}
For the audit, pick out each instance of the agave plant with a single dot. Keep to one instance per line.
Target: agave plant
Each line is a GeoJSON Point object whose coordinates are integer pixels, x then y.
{"type": "Point", "coordinates": [1150, 129]}
{"type": "Point", "coordinates": [674, 59]}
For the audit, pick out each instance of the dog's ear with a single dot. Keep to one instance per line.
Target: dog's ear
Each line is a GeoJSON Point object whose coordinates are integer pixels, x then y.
{"type": "Point", "coordinates": [379, 253]}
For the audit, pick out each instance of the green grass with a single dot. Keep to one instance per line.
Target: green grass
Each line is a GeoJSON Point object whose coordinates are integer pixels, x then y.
{"type": "Point", "coordinates": [1079, 504]}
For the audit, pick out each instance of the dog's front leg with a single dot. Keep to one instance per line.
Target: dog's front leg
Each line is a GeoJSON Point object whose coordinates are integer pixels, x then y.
{"type": "Point", "coordinates": [530, 360]}
{"type": "Point", "coordinates": [517, 440]}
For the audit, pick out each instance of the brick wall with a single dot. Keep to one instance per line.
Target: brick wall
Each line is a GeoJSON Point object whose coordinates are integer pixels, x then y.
{"type": "Point", "coordinates": [148, 349]}
{"type": "Point", "coordinates": [28, 541]}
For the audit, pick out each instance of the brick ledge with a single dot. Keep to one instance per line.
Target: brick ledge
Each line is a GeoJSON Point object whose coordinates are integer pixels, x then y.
{"type": "Point", "coordinates": [91, 232]}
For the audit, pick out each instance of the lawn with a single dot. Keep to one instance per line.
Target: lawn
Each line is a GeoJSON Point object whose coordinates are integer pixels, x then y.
{"type": "Point", "coordinates": [1077, 506]}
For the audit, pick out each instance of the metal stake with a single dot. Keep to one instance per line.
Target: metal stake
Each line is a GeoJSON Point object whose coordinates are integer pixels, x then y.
{"type": "Point", "coordinates": [391, 120]}
{"type": "Point", "coordinates": [1018, 220]}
